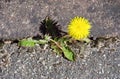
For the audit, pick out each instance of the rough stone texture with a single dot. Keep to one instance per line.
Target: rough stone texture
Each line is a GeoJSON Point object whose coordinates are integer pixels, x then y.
{"type": "Point", "coordinates": [101, 61]}
{"type": "Point", "coordinates": [21, 18]}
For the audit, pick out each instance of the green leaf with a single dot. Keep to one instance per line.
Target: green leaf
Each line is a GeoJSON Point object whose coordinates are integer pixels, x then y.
{"type": "Point", "coordinates": [27, 42]}
{"type": "Point", "coordinates": [47, 37]}
{"type": "Point", "coordinates": [56, 49]}
{"type": "Point", "coordinates": [42, 41]}
{"type": "Point", "coordinates": [68, 53]}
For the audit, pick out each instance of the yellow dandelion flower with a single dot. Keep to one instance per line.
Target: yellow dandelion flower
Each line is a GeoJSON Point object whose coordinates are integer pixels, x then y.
{"type": "Point", "coordinates": [79, 28]}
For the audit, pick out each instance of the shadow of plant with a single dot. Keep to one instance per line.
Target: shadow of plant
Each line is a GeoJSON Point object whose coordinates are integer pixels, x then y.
{"type": "Point", "coordinates": [51, 28]}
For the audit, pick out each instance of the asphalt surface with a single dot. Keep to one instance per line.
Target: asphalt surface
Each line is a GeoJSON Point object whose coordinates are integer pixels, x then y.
{"type": "Point", "coordinates": [101, 61]}
{"type": "Point", "coordinates": [22, 18]}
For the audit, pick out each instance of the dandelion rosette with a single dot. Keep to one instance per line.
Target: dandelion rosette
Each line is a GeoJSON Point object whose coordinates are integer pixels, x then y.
{"type": "Point", "coordinates": [79, 28]}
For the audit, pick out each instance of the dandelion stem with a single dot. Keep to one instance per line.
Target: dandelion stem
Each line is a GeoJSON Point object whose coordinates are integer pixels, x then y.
{"type": "Point", "coordinates": [56, 43]}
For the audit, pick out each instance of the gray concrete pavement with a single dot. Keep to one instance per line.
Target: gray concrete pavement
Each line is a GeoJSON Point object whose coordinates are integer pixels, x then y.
{"type": "Point", "coordinates": [22, 18]}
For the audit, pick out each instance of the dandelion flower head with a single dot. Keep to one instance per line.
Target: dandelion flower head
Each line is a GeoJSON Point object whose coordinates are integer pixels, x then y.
{"type": "Point", "coordinates": [79, 28]}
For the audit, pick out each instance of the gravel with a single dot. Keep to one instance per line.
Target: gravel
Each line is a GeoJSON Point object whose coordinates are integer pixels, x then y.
{"type": "Point", "coordinates": [101, 61]}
